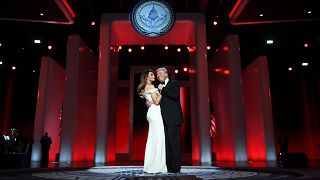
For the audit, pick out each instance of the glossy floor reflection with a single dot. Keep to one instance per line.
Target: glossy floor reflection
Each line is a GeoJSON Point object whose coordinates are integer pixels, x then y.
{"type": "Point", "coordinates": [133, 170]}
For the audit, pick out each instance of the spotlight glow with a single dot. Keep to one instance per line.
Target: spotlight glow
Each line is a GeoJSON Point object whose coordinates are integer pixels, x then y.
{"type": "Point", "coordinates": [129, 50]}
{"type": "Point", "coordinates": [305, 64]}
{"type": "Point", "coordinates": [49, 47]}
{"type": "Point", "coordinates": [37, 41]}
{"type": "Point", "coordinates": [13, 68]}
{"type": "Point", "coordinates": [215, 23]}
{"type": "Point", "coordinates": [290, 69]}
{"type": "Point", "coordinates": [179, 50]}
{"type": "Point", "coordinates": [306, 45]}
{"type": "Point", "coordinates": [225, 48]}
{"type": "Point", "coordinates": [142, 47]}
{"type": "Point", "coordinates": [93, 23]}
{"type": "Point", "coordinates": [176, 71]}
{"type": "Point", "coordinates": [166, 47]}
{"type": "Point", "coordinates": [1, 62]}
{"type": "Point", "coordinates": [269, 41]}
{"type": "Point", "coordinates": [208, 47]}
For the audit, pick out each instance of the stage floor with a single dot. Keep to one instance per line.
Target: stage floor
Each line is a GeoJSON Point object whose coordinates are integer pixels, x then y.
{"type": "Point", "coordinates": [136, 172]}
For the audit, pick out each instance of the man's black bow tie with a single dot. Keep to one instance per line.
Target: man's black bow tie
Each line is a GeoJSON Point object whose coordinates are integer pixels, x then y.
{"type": "Point", "coordinates": [162, 83]}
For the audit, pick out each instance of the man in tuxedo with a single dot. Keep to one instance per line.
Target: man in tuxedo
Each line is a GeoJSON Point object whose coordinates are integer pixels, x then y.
{"type": "Point", "coordinates": [45, 147]}
{"type": "Point", "coordinates": [172, 118]}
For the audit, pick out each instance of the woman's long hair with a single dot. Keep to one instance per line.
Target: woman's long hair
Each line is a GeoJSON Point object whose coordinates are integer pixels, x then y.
{"type": "Point", "coordinates": [143, 81]}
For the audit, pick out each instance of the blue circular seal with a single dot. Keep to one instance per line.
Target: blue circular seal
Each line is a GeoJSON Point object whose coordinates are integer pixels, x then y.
{"type": "Point", "coordinates": [152, 18]}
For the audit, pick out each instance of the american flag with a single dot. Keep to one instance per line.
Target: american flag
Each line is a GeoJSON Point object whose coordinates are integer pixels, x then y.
{"type": "Point", "coordinates": [213, 127]}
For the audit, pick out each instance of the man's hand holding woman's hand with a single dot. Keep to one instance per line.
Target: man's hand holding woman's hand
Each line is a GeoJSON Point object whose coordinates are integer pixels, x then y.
{"type": "Point", "coordinates": [148, 103]}
{"type": "Point", "coordinates": [160, 86]}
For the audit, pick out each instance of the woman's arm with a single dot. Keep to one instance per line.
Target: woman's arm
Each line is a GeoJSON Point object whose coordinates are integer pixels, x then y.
{"type": "Point", "coordinates": [156, 98]}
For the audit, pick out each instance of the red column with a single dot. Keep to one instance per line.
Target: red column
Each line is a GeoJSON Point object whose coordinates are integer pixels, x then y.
{"type": "Point", "coordinates": [258, 113]}
{"type": "Point", "coordinates": [79, 109]}
{"type": "Point", "coordinates": [226, 89]}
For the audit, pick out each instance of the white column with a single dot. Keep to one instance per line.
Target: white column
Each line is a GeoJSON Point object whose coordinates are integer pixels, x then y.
{"type": "Point", "coordinates": [267, 110]}
{"type": "Point", "coordinates": [70, 100]}
{"type": "Point", "coordinates": [103, 90]}
{"type": "Point", "coordinates": [49, 103]}
{"type": "Point", "coordinates": [202, 90]}
{"type": "Point", "coordinates": [237, 109]}
{"type": "Point", "coordinates": [79, 108]}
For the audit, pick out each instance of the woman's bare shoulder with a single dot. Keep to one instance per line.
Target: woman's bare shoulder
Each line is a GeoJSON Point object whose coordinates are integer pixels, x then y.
{"type": "Point", "coordinates": [149, 87]}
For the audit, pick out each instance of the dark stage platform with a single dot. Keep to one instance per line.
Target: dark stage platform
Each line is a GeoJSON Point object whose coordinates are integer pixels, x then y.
{"type": "Point", "coordinates": [136, 172]}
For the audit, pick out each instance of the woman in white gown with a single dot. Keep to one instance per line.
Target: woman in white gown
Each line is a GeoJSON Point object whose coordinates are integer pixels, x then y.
{"type": "Point", "coordinates": [155, 152]}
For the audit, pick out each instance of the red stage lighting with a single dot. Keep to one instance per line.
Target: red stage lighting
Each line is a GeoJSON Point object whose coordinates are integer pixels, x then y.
{"type": "Point", "coordinates": [191, 48]}
{"type": "Point", "coordinates": [226, 72]}
{"type": "Point", "coordinates": [192, 71]}
{"type": "Point", "coordinates": [82, 49]}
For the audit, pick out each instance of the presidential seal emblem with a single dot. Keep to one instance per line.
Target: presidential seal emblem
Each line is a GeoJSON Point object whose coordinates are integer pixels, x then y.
{"type": "Point", "coordinates": [152, 18]}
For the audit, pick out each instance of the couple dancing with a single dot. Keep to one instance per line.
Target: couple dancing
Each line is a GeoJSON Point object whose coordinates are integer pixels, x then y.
{"type": "Point", "coordinates": [162, 153]}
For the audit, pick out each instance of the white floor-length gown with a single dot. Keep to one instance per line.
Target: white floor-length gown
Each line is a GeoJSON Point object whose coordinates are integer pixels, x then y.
{"type": "Point", "coordinates": [155, 152]}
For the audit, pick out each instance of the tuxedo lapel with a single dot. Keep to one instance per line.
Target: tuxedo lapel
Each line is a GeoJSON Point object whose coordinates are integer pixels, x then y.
{"type": "Point", "coordinates": [168, 84]}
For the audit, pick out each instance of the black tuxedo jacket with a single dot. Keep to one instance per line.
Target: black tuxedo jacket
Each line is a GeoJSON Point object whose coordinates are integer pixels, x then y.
{"type": "Point", "coordinates": [170, 104]}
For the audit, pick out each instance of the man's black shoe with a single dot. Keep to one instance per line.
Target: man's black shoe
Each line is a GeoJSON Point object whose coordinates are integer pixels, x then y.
{"type": "Point", "coordinates": [177, 171]}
